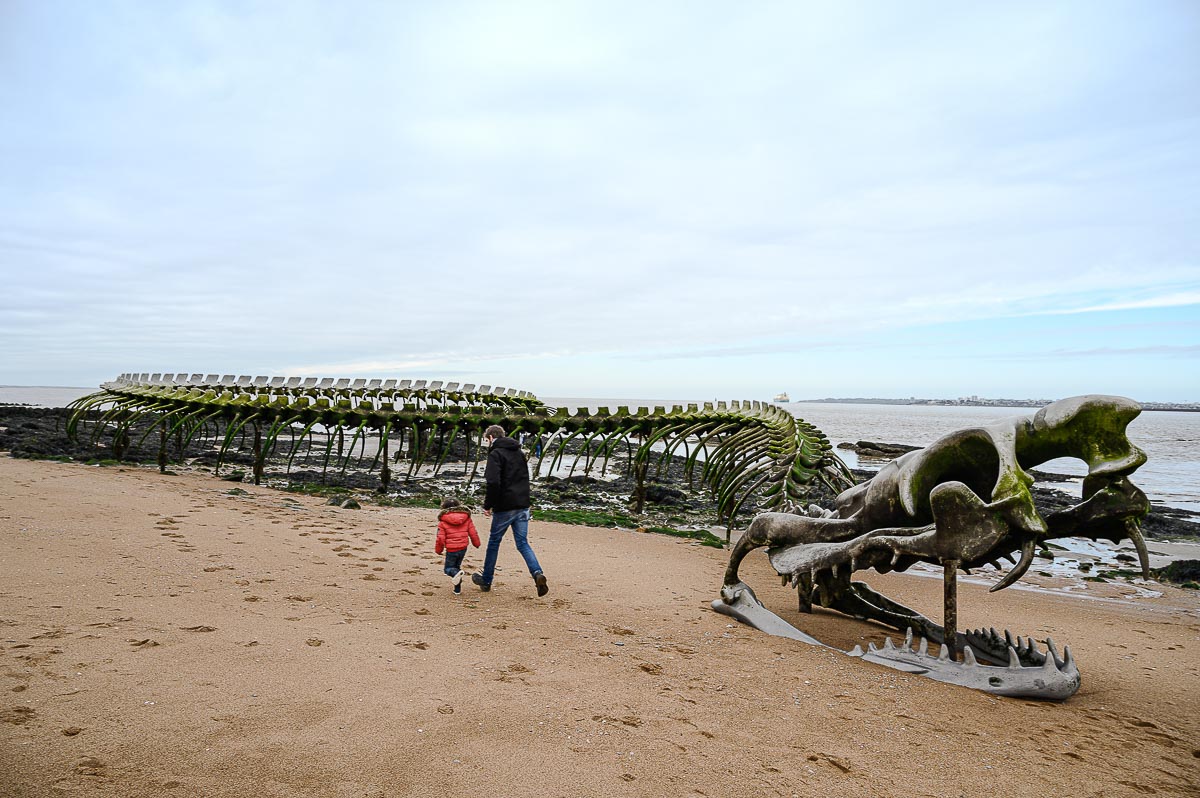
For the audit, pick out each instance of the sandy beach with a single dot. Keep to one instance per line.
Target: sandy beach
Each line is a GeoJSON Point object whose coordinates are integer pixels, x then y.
{"type": "Point", "coordinates": [162, 636]}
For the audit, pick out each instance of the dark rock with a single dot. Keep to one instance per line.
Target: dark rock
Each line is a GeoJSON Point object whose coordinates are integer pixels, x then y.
{"type": "Point", "coordinates": [1180, 572]}
{"type": "Point", "coordinates": [877, 450]}
{"type": "Point", "coordinates": [657, 493]}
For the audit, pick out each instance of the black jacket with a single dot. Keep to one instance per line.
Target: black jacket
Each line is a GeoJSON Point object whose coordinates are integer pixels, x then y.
{"type": "Point", "coordinates": [507, 476]}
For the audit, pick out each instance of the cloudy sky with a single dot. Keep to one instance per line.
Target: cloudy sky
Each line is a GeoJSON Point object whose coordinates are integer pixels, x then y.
{"type": "Point", "coordinates": [619, 199]}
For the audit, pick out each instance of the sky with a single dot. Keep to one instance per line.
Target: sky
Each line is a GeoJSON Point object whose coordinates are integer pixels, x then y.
{"type": "Point", "coordinates": [608, 199]}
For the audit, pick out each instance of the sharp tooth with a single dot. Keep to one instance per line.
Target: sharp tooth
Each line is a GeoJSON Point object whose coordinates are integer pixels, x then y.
{"type": "Point", "coordinates": [1068, 661]}
{"type": "Point", "coordinates": [994, 564]}
{"type": "Point", "coordinates": [944, 654]}
{"type": "Point", "coordinates": [853, 564]}
{"type": "Point", "coordinates": [888, 645]}
{"type": "Point", "coordinates": [812, 575]}
{"type": "Point", "coordinates": [995, 638]}
{"type": "Point", "coordinates": [1009, 558]}
{"type": "Point", "coordinates": [1008, 638]}
{"type": "Point", "coordinates": [1021, 567]}
{"type": "Point", "coordinates": [923, 647]}
{"type": "Point", "coordinates": [965, 570]}
{"type": "Point", "coordinates": [1013, 660]}
{"type": "Point", "coordinates": [895, 557]}
{"type": "Point", "coordinates": [784, 579]}
{"type": "Point", "coordinates": [1049, 664]}
{"type": "Point", "coordinates": [908, 636]}
{"type": "Point", "coordinates": [1033, 649]}
{"type": "Point", "coordinates": [871, 646]}
{"type": "Point", "coordinates": [969, 656]}
{"type": "Point", "coordinates": [856, 651]}
{"type": "Point", "coordinates": [1053, 650]}
{"type": "Point", "coordinates": [833, 570]}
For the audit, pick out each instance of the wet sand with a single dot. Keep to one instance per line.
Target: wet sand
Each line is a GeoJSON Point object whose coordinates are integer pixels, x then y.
{"type": "Point", "coordinates": [159, 636]}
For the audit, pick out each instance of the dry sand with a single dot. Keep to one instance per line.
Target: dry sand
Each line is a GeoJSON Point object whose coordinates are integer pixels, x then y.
{"type": "Point", "coordinates": [161, 637]}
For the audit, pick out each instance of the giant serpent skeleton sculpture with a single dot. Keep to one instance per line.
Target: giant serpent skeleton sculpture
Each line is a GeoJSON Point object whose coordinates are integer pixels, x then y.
{"type": "Point", "coordinates": [961, 503]}
{"type": "Point", "coordinates": [738, 449]}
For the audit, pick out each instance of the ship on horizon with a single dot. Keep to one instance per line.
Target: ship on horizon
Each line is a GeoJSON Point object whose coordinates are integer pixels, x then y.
{"type": "Point", "coordinates": [781, 397]}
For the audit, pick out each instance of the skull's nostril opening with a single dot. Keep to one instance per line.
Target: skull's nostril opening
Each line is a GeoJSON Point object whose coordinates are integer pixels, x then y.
{"type": "Point", "coordinates": [995, 681]}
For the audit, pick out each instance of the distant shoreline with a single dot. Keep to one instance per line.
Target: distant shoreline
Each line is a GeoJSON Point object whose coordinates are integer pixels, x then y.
{"type": "Point", "coordinates": [1182, 407]}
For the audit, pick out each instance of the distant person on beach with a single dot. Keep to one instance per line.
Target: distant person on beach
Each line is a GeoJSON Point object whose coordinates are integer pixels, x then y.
{"type": "Point", "coordinates": [455, 530]}
{"type": "Point", "coordinates": [507, 502]}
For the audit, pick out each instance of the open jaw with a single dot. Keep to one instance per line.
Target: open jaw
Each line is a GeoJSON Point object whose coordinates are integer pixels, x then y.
{"type": "Point", "coordinates": [962, 503]}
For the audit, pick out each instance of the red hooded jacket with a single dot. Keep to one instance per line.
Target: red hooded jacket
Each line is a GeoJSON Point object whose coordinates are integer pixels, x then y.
{"type": "Point", "coordinates": [455, 528]}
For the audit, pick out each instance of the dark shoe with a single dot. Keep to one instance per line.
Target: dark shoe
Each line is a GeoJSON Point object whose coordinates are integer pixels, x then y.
{"type": "Point", "coordinates": [478, 579]}
{"type": "Point", "coordinates": [539, 579]}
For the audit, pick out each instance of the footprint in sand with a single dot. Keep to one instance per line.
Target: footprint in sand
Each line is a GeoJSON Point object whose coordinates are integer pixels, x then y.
{"type": "Point", "coordinates": [629, 720]}
{"type": "Point", "coordinates": [18, 715]}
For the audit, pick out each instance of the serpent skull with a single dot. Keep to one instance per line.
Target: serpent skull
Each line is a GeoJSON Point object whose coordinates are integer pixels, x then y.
{"type": "Point", "coordinates": [963, 502]}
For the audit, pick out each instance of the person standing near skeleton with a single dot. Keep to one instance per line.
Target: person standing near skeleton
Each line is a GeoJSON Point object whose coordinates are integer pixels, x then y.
{"type": "Point", "coordinates": [507, 503]}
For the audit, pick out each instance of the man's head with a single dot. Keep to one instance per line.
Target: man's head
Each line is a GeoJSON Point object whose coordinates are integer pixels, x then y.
{"type": "Point", "coordinates": [493, 433]}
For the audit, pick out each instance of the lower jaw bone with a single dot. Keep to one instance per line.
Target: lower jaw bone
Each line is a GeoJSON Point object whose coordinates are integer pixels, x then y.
{"type": "Point", "coordinates": [1055, 679]}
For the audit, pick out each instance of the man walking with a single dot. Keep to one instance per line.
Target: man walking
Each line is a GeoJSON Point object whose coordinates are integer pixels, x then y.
{"type": "Point", "coordinates": [507, 502]}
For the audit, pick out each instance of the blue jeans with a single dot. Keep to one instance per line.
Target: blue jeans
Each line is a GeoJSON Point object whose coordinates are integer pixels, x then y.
{"type": "Point", "coordinates": [501, 521]}
{"type": "Point", "coordinates": [454, 562]}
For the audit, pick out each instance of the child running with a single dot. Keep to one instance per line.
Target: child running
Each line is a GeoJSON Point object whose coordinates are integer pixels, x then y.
{"type": "Point", "coordinates": [455, 529]}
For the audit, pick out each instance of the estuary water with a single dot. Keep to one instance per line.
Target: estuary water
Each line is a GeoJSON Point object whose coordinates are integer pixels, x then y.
{"type": "Point", "coordinates": [1171, 439]}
